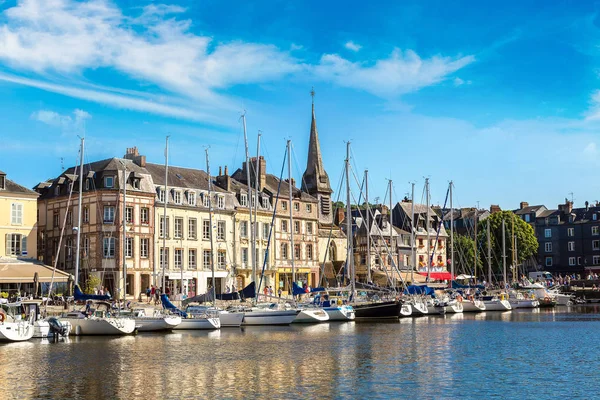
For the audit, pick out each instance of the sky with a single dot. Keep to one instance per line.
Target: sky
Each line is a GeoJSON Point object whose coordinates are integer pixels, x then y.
{"type": "Point", "coordinates": [503, 101]}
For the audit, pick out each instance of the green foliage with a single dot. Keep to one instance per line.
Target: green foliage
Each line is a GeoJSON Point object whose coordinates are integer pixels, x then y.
{"type": "Point", "coordinates": [527, 243]}
{"type": "Point", "coordinates": [464, 255]}
{"type": "Point", "coordinates": [4, 295]}
{"type": "Point", "coordinates": [92, 283]}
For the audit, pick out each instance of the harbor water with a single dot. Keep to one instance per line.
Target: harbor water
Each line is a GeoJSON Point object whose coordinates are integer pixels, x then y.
{"type": "Point", "coordinates": [540, 353]}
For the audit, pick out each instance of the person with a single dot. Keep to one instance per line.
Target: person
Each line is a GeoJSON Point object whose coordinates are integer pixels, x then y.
{"type": "Point", "coordinates": [148, 294]}
{"type": "Point", "coordinates": [279, 292]}
{"type": "Point", "coordinates": [106, 292]}
{"type": "Point", "coordinates": [101, 291]}
{"type": "Point", "coordinates": [227, 290]}
{"type": "Point", "coordinates": [271, 293]}
{"type": "Point", "coordinates": [157, 296]}
{"type": "Point", "coordinates": [266, 290]}
{"type": "Point", "coordinates": [152, 293]}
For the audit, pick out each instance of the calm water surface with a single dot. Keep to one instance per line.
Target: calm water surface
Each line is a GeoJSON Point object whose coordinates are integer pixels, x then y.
{"type": "Point", "coordinates": [524, 354]}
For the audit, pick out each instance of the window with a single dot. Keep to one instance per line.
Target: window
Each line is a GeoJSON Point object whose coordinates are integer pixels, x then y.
{"type": "Point", "coordinates": [284, 225]}
{"type": "Point", "coordinates": [86, 215]}
{"type": "Point", "coordinates": [86, 247]}
{"type": "Point", "coordinates": [192, 259]}
{"type": "Point", "coordinates": [547, 233]}
{"type": "Point", "coordinates": [264, 260]}
{"type": "Point", "coordinates": [571, 261]}
{"type": "Point", "coordinates": [578, 260]}
{"type": "Point", "coordinates": [87, 184]}
{"type": "Point", "coordinates": [108, 247]}
{"type": "Point", "coordinates": [176, 197]}
{"type": "Point", "coordinates": [571, 232]}
{"type": "Point", "coordinates": [221, 226]}
{"type": "Point", "coordinates": [135, 182]}
{"type": "Point", "coordinates": [164, 258]}
{"type": "Point", "coordinates": [309, 208]}
{"type": "Point", "coordinates": [595, 244]}
{"type": "Point", "coordinates": [284, 205]}
{"type": "Point", "coordinates": [244, 256]}
{"type": "Point", "coordinates": [16, 214]}
{"type": "Point", "coordinates": [309, 228]}
{"type": "Point", "coordinates": [266, 229]}
{"type": "Point", "coordinates": [205, 200]}
{"type": "Point", "coordinates": [243, 200]}
{"type": "Point", "coordinates": [420, 242]}
{"type": "Point", "coordinates": [265, 202]}
{"type": "Point", "coordinates": [297, 251]}
{"type": "Point", "coordinates": [108, 181]}
{"type": "Point", "coordinates": [109, 214]}
{"type": "Point", "coordinates": [144, 247]}
{"type": "Point", "coordinates": [192, 228]}
{"type": "Point", "coordinates": [309, 252]}
{"type": "Point", "coordinates": [596, 260]}
{"type": "Point", "coordinates": [161, 195]}
{"type": "Point", "coordinates": [594, 230]}
{"type": "Point", "coordinates": [595, 216]}
{"type": "Point", "coordinates": [527, 218]}
{"type": "Point", "coordinates": [220, 202]}
{"type": "Point", "coordinates": [57, 190]}
{"type": "Point", "coordinates": [56, 219]}
{"type": "Point", "coordinates": [192, 198]}
{"type": "Point", "coordinates": [178, 258]}
{"type": "Point", "coordinates": [548, 261]}
{"type": "Point", "coordinates": [69, 217]}
{"type": "Point", "coordinates": [205, 229]}
{"type": "Point", "coordinates": [252, 200]}
{"type": "Point", "coordinates": [178, 228]}
{"type": "Point", "coordinates": [284, 251]}
{"type": "Point", "coordinates": [129, 247]}
{"type": "Point", "coordinates": [2, 182]}
{"type": "Point", "coordinates": [296, 226]}
{"type": "Point", "coordinates": [296, 206]}
{"type": "Point", "coordinates": [221, 259]}
{"type": "Point", "coordinates": [16, 245]}
{"type": "Point", "coordinates": [164, 227]}
{"type": "Point", "coordinates": [144, 215]}
{"type": "Point", "coordinates": [206, 259]}
{"type": "Point", "coordinates": [571, 246]}
{"type": "Point", "coordinates": [548, 247]}
{"type": "Point", "coordinates": [244, 229]}
{"type": "Point", "coordinates": [129, 215]}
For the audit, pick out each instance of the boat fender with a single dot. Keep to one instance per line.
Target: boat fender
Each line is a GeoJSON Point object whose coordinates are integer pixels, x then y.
{"type": "Point", "coordinates": [2, 317]}
{"type": "Point", "coordinates": [339, 302]}
{"type": "Point", "coordinates": [459, 298]}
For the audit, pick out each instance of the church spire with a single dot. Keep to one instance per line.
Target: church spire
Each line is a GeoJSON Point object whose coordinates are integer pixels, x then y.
{"type": "Point", "coordinates": [315, 180]}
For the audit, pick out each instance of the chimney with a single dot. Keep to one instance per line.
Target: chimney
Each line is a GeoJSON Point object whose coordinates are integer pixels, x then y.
{"type": "Point", "coordinates": [587, 205]}
{"type": "Point", "coordinates": [220, 171]}
{"type": "Point", "coordinates": [494, 208]}
{"type": "Point", "coordinates": [523, 204]}
{"type": "Point", "coordinates": [224, 181]}
{"type": "Point", "coordinates": [261, 169]}
{"type": "Point", "coordinates": [339, 215]}
{"type": "Point", "coordinates": [226, 171]}
{"type": "Point", "coordinates": [133, 154]}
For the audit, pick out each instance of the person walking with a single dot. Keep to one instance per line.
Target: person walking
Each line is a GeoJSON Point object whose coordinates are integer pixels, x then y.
{"type": "Point", "coordinates": [279, 292]}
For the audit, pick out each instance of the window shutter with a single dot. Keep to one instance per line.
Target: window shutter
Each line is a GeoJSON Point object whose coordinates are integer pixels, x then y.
{"type": "Point", "coordinates": [23, 244]}
{"type": "Point", "coordinates": [7, 251]}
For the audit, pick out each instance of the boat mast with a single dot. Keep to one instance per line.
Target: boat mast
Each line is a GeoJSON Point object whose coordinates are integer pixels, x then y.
{"type": "Point", "coordinates": [392, 247]}
{"type": "Point", "coordinates": [412, 235]}
{"type": "Point", "coordinates": [429, 257]}
{"type": "Point", "coordinates": [252, 243]}
{"type": "Point", "coordinates": [124, 240]}
{"type": "Point", "coordinates": [350, 253]}
{"type": "Point", "coordinates": [290, 187]}
{"type": "Point", "coordinates": [368, 226]}
{"type": "Point", "coordinates": [256, 183]}
{"type": "Point", "coordinates": [475, 218]}
{"type": "Point", "coordinates": [489, 252]}
{"type": "Point", "coordinates": [79, 212]}
{"type": "Point", "coordinates": [504, 253]}
{"type": "Point", "coordinates": [513, 243]}
{"type": "Point", "coordinates": [164, 249]}
{"type": "Point", "coordinates": [451, 233]}
{"type": "Point", "coordinates": [210, 221]}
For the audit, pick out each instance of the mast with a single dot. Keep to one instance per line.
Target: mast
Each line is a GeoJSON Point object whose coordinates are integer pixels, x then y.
{"type": "Point", "coordinates": [252, 243]}
{"type": "Point", "coordinates": [124, 240]}
{"type": "Point", "coordinates": [489, 252]}
{"type": "Point", "coordinates": [164, 245]}
{"type": "Point", "coordinates": [451, 233]}
{"type": "Point", "coordinates": [368, 226]}
{"type": "Point", "coordinates": [210, 221]}
{"type": "Point", "coordinates": [349, 255]}
{"type": "Point", "coordinates": [256, 183]}
{"type": "Point", "coordinates": [290, 187]}
{"type": "Point", "coordinates": [513, 243]}
{"type": "Point", "coordinates": [504, 253]}
{"type": "Point", "coordinates": [412, 235]}
{"type": "Point", "coordinates": [475, 244]}
{"type": "Point", "coordinates": [427, 228]}
{"type": "Point", "coordinates": [392, 248]}
{"type": "Point", "coordinates": [79, 212]}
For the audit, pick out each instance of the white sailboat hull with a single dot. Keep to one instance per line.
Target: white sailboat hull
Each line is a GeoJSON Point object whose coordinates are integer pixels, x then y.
{"type": "Point", "coordinates": [156, 324]}
{"type": "Point", "coordinates": [41, 329]}
{"type": "Point", "coordinates": [524, 303]}
{"type": "Point", "coordinates": [419, 308]}
{"type": "Point", "coordinates": [100, 326]}
{"type": "Point", "coordinates": [406, 310]}
{"type": "Point", "coordinates": [473, 306]}
{"type": "Point", "coordinates": [199, 324]}
{"type": "Point", "coordinates": [497, 305]}
{"type": "Point", "coordinates": [231, 319]}
{"type": "Point", "coordinates": [16, 331]}
{"type": "Point", "coordinates": [312, 316]}
{"type": "Point", "coordinates": [340, 313]}
{"type": "Point", "coordinates": [285, 317]}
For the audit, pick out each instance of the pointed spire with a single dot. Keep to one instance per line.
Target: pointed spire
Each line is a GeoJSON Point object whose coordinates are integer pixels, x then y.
{"type": "Point", "coordinates": [315, 179]}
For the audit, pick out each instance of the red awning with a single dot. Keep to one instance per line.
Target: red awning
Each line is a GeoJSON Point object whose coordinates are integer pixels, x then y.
{"type": "Point", "coordinates": [441, 276]}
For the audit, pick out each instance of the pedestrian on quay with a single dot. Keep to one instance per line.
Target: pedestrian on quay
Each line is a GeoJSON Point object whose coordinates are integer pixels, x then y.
{"type": "Point", "coordinates": [152, 293]}
{"type": "Point", "coordinates": [279, 292]}
{"type": "Point", "coordinates": [148, 290]}
{"type": "Point", "coordinates": [106, 292]}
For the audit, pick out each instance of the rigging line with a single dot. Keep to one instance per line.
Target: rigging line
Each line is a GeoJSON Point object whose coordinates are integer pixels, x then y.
{"type": "Point", "coordinates": [437, 235]}
{"type": "Point", "coordinates": [295, 159]}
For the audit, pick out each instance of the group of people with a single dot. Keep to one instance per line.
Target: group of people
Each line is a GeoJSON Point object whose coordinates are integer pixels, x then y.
{"type": "Point", "coordinates": [153, 294]}
{"type": "Point", "coordinates": [103, 291]}
{"type": "Point", "coordinates": [268, 291]}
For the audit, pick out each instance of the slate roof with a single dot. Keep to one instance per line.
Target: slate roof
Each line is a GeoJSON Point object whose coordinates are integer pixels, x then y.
{"type": "Point", "coordinates": [180, 177]}
{"type": "Point", "coordinates": [13, 187]}
{"type": "Point", "coordinates": [271, 184]}
{"type": "Point", "coordinates": [529, 209]}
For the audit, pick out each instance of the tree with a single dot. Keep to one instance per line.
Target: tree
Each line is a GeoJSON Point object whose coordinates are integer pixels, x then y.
{"type": "Point", "coordinates": [464, 255]}
{"type": "Point", "coordinates": [92, 282]}
{"type": "Point", "coordinates": [524, 233]}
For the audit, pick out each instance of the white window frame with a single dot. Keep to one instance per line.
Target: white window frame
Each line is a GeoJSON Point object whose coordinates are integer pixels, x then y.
{"type": "Point", "coordinates": [86, 214]}
{"type": "Point", "coordinates": [220, 202]}
{"type": "Point", "coordinates": [192, 228]}
{"type": "Point", "coordinates": [244, 229]}
{"type": "Point", "coordinates": [192, 259]}
{"type": "Point", "coordinates": [163, 229]}
{"type": "Point", "coordinates": [144, 247]}
{"type": "Point", "coordinates": [108, 179]}
{"type": "Point", "coordinates": [205, 229]}
{"type": "Point", "coordinates": [244, 256]}
{"type": "Point", "coordinates": [570, 232]}
{"type": "Point", "coordinates": [265, 202]}
{"type": "Point", "coordinates": [571, 246]}
{"type": "Point", "coordinates": [284, 205]}
{"type": "Point", "coordinates": [109, 214]}
{"type": "Point", "coordinates": [595, 244]}
{"type": "Point", "coordinates": [178, 228]}
{"type": "Point", "coordinates": [309, 227]}
{"type": "Point", "coordinates": [572, 261]}
{"type": "Point", "coordinates": [15, 244]}
{"type": "Point", "coordinates": [129, 247]}
{"type": "Point", "coordinates": [296, 206]}
{"type": "Point", "coordinates": [221, 259]}
{"type": "Point", "coordinates": [129, 215]}
{"type": "Point", "coordinates": [192, 198]}
{"type": "Point", "coordinates": [266, 230]}
{"type": "Point", "coordinates": [205, 200]}
{"type": "Point", "coordinates": [594, 231]}
{"type": "Point", "coordinates": [206, 259]}
{"type": "Point", "coordinates": [244, 200]}
{"type": "Point", "coordinates": [284, 251]}
{"type": "Point", "coordinates": [284, 225]}
{"type": "Point", "coordinates": [548, 247]}
{"type": "Point", "coordinates": [221, 230]}
{"type": "Point", "coordinates": [309, 251]}
{"type": "Point", "coordinates": [548, 233]}
{"type": "Point", "coordinates": [178, 258]}
{"type": "Point", "coordinates": [177, 197]}
{"type": "Point", "coordinates": [144, 215]}
{"type": "Point", "coordinates": [297, 227]}
{"type": "Point", "coordinates": [309, 208]}
{"type": "Point", "coordinates": [163, 259]}
{"type": "Point", "coordinates": [595, 260]}
{"type": "Point", "coordinates": [16, 214]}
{"type": "Point", "coordinates": [161, 195]}
{"type": "Point", "coordinates": [548, 261]}
{"type": "Point", "coordinates": [108, 247]}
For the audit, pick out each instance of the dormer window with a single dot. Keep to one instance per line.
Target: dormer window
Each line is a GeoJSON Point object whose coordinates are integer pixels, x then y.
{"type": "Point", "coordinates": [243, 199]}
{"type": "Point", "coordinates": [192, 198]}
{"type": "Point", "coordinates": [177, 197]}
{"type": "Point", "coordinates": [161, 195]}
{"type": "Point", "coordinates": [220, 202]}
{"type": "Point", "coordinates": [205, 200]}
{"type": "Point", "coordinates": [595, 216]}
{"type": "Point", "coordinates": [2, 182]}
{"type": "Point", "coordinates": [109, 181]}
{"type": "Point", "coordinates": [135, 183]}
{"type": "Point", "coordinates": [57, 190]}
{"type": "Point", "coordinates": [265, 202]}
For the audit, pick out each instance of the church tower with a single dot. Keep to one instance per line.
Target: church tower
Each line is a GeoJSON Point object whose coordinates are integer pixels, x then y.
{"type": "Point", "coordinates": [315, 180]}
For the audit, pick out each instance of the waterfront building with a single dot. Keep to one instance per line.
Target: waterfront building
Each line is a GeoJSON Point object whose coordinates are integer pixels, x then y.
{"type": "Point", "coordinates": [103, 208]}
{"type": "Point", "coordinates": [464, 219]}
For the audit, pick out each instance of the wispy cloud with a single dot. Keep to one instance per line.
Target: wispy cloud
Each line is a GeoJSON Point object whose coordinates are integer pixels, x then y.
{"type": "Point", "coordinates": [55, 119]}
{"type": "Point", "coordinates": [350, 45]}
{"type": "Point", "coordinates": [402, 72]}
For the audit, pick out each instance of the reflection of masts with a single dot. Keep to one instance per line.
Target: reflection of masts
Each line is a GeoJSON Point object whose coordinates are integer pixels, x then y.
{"type": "Point", "coordinates": [79, 211]}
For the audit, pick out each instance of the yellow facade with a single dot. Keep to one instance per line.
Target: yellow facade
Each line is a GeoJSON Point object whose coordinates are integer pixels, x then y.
{"type": "Point", "coordinates": [18, 221]}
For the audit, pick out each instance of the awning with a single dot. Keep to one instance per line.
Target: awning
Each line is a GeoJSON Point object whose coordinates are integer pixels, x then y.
{"type": "Point", "coordinates": [441, 276]}
{"type": "Point", "coordinates": [22, 271]}
{"type": "Point", "coordinates": [381, 277]}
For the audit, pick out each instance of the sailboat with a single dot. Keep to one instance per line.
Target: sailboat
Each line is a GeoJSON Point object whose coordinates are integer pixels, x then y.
{"type": "Point", "coordinates": [497, 302]}
{"type": "Point", "coordinates": [15, 330]}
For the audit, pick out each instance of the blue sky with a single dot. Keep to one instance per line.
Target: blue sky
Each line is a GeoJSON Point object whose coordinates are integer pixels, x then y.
{"type": "Point", "coordinates": [504, 101]}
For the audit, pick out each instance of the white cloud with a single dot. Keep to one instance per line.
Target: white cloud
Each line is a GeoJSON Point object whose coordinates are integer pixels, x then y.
{"type": "Point", "coordinates": [402, 72]}
{"type": "Point", "coordinates": [66, 123]}
{"type": "Point", "coordinates": [590, 150]}
{"type": "Point", "coordinates": [458, 82]}
{"type": "Point", "coordinates": [350, 45]}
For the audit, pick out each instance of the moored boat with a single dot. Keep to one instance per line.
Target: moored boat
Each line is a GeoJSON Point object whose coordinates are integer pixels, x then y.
{"type": "Point", "coordinates": [311, 316]}
{"type": "Point", "coordinates": [377, 310]}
